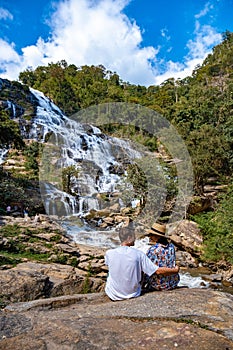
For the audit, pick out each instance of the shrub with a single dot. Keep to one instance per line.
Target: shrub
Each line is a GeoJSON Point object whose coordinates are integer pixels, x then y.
{"type": "Point", "coordinates": [217, 231]}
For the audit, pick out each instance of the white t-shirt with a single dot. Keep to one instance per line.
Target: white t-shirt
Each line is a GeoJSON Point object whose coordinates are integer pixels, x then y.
{"type": "Point", "coordinates": [126, 265]}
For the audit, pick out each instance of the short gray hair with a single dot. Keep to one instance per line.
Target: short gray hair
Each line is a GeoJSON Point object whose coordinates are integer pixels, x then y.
{"type": "Point", "coordinates": [126, 234]}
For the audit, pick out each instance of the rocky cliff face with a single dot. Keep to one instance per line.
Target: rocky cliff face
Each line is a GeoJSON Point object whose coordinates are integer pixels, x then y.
{"type": "Point", "coordinates": [20, 104]}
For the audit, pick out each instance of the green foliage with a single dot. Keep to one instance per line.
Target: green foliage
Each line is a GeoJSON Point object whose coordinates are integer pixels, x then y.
{"type": "Point", "coordinates": [32, 152]}
{"type": "Point", "coordinates": [216, 228]}
{"type": "Point", "coordinates": [208, 150]}
{"type": "Point", "coordinates": [137, 178]}
{"type": "Point", "coordinates": [73, 262]}
{"type": "Point", "coordinates": [10, 230]}
{"type": "Point", "coordinates": [60, 259]}
{"type": "Point", "coordinates": [132, 132]}
{"type": "Point", "coordinates": [86, 288]}
{"type": "Point", "coordinates": [18, 253]}
{"type": "Point", "coordinates": [17, 247]}
{"type": "Point", "coordinates": [72, 88]}
{"type": "Point", "coordinates": [69, 175]}
{"type": "Point", "coordinates": [9, 259]}
{"type": "Point", "coordinates": [56, 238]}
{"type": "Point", "coordinates": [11, 191]}
{"type": "Point", "coordinates": [17, 189]}
{"type": "Point", "coordinates": [26, 243]}
{"type": "Point", "coordinates": [9, 131]}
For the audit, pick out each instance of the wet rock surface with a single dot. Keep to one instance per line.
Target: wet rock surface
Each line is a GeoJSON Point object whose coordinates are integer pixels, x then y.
{"type": "Point", "coordinates": [182, 319]}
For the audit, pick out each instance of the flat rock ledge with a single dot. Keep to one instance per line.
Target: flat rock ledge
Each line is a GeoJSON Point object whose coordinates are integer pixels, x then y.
{"type": "Point", "coordinates": [186, 319]}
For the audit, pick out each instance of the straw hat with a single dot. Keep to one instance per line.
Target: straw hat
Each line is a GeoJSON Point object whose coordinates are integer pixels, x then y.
{"type": "Point", "coordinates": [157, 229]}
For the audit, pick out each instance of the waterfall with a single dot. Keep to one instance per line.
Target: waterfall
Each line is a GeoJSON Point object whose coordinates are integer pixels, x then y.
{"type": "Point", "coordinates": [12, 108]}
{"type": "Point", "coordinates": [58, 202]}
{"type": "Point", "coordinates": [3, 153]}
{"type": "Point", "coordinates": [94, 155]}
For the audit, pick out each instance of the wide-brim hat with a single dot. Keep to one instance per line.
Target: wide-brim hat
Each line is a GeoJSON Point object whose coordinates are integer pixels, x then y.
{"type": "Point", "coordinates": [157, 229]}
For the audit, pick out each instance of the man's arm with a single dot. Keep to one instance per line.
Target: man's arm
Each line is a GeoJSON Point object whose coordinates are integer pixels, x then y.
{"type": "Point", "coordinates": [167, 271]}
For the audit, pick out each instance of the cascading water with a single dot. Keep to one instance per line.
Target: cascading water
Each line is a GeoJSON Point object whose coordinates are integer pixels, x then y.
{"type": "Point", "coordinates": [84, 147]}
{"type": "Point", "coordinates": [3, 153]}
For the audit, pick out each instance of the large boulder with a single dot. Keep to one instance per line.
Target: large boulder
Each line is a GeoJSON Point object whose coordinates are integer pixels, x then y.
{"type": "Point", "coordinates": [186, 236]}
{"type": "Point", "coordinates": [200, 203]}
{"type": "Point", "coordinates": [29, 281]}
{"type": "Point", "coordinates": [21, 285]}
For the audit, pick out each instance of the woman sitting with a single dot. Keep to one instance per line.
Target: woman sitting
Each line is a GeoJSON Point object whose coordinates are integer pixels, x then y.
{"type": "Point", "coordinates": [162, 254]}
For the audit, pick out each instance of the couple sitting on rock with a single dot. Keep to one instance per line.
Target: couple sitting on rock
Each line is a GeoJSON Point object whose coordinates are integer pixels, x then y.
{"type": "Point", "coordinates": [127, 265]}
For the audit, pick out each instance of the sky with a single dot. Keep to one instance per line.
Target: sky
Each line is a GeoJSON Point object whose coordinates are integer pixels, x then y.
{"type": "Point", "coordinates": [144, 41]}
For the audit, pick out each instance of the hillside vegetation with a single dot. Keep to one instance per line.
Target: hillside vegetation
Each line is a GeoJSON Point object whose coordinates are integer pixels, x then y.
{"type": "Point", "coordinates": [199, 106]}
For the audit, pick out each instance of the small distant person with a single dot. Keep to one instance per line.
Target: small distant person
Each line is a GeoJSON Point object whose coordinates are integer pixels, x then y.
{"type": "Point", "coordinates": [126, 265]}
{"type": "Point", "coordinates": [8, 210]}
{"type": "Point", "coordinates": [26, 214]}
{"type": "Point", "coordinates": [36, 218]}
{"type": "Point", "coordinates": [162, 254]}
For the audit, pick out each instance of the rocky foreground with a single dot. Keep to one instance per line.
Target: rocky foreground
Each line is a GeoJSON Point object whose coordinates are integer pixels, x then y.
{"type": "Point", "coordinates": [185, 319]}
{"type": "Point", "coordinates": [57, 302]}
{"type": "Point", "coordinates": [38, 260]}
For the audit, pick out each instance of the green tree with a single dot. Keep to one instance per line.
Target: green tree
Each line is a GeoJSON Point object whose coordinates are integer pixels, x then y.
{"type": "Point", "coordinates": [216, 228]}
{"type": "Point", "coordinates": [69, 175]}
{"type": "Point", "coordinates": [208, 153]}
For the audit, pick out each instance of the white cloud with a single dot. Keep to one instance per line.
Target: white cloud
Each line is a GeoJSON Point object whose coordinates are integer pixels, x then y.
{"type": "Point", "coordinates": [205, 10]}
{"type": "Point", "coordinates": [164, 33]}
{"type": "Point", "coordinates": [205, 38]}
{"type": "Point", "coordinates": [8, 53]}
{"type": "Point", "coordinates": [87, 32]}
{"type": "Point", "coordinates": [93, 32]}
{"type": "Point", "coordinates": [9, 59]}
{"type": "Point", "coordinates": [98, 32]}
{"type": "Point", "coordinates": [5, 14]}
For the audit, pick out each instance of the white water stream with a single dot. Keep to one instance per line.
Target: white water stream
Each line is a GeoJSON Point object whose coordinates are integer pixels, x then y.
{"type": "Point", "coordinates": [93, 154]}
{"type": "Point", "coordinates": [3, 153]}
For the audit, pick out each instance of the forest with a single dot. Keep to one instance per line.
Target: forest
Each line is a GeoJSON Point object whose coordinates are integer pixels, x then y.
{"type": "Point", "coordinates": [200, 107]}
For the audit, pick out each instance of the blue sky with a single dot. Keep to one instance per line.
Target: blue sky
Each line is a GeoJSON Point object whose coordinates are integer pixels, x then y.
{"type": "Point", "coordinates": [144, 41]}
